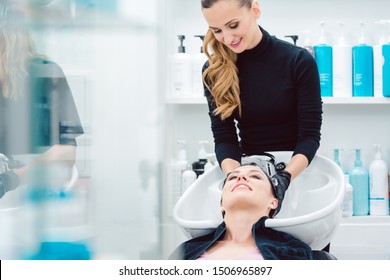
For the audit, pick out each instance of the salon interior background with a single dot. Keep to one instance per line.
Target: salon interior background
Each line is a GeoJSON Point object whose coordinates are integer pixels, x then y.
{"type": "Point", "coordinates": [116, 54]}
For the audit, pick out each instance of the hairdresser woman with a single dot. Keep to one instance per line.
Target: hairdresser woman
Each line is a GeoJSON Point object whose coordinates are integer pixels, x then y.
{"type": "Point", "coordinates": [268, 86]}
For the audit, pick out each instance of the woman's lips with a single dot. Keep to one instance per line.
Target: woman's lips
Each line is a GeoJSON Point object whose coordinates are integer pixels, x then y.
{"type": "Point", "coordinates": [241, 186]}
{"type": "Point", "coordinates": [235, 44]}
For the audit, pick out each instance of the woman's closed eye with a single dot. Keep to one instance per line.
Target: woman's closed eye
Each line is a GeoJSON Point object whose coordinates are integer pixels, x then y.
{"type": "Point", "coordinates": [232, 26]}
{"type": "Point", "coordinates": [232, 177]}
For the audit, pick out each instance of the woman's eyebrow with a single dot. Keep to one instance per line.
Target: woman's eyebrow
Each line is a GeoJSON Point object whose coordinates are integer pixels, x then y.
{"type": "Point", "coordinates": [257, 171]}
{"type": "Point", "coordinates": [226, 24]}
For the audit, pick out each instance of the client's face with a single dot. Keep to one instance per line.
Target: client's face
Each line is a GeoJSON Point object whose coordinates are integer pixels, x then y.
{"type": "Point", "coordinates": [248, 187]}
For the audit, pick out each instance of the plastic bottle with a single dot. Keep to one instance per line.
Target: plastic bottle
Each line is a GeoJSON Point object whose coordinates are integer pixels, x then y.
{"type": "Point", "coordinates": [386, 66]}
{"type": "Point", "coordinates": [174, 176]}
{"type": "Point", "coordinates": [342, 67]}
{"type": "Point", "coordinates": [347, 206]}
{"type": "Point", "coordinates": [187, 178]}
{"type": "Point", "coordinates": [362, 67]}
{"type": "Point", "coordinates": [199, 60]}
{"type": "Point", "coordinates": [198, 166]}
{"type": "Point", "coordinates": [379, 192]}
{"type": "Point", "coordinates": [388, 180]}
{"type": "Point", "coordinates": [307, 44]}
{"type": "Point", "coordinates": [348, 198]}
{"type": "Point", "coordinates": [378, 62]}
{"type": "Point", "coordinates": [359, 179]}
{"type": "Point", "coordinates": [323, 56]}
{"type": "Point", "coordinates": [181, 72]}
{"type": "Point", "coordinates": [209, 163]}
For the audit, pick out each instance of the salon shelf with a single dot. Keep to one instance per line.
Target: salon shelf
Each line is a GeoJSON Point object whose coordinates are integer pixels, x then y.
{"type": "Point", "coordinates": [354, 220]}
{"type": "Point", "coordinates": [362, 237]}
{"type": "Point", "coordinates": [326, 100]}
{"type": "Point", "coordinates": [355, 100]}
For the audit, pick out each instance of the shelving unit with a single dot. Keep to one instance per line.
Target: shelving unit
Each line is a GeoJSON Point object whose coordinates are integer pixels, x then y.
{"type": "Point", "coordinates": [362, 237]}
{"type": "Point", "coordinates": [348, 123]}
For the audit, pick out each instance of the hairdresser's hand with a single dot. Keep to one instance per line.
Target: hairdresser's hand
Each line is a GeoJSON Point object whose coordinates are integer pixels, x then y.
{"type": "Point", "coordinates": [281, 181]}
{"type": "Point", "coordinates": [8, 181]}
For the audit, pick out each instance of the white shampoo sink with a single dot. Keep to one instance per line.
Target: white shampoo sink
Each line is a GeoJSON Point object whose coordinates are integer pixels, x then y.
{"type": "Point", "coordinates": [311, 208]}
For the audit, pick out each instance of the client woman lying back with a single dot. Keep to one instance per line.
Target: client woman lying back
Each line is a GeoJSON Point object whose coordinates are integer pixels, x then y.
{"type": "Point", "coordinates": [248, 199]}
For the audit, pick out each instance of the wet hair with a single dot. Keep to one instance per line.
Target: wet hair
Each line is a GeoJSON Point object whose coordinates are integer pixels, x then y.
{"type": "Point", "coordinates": [221, 76]}
{"type": "Point", "coordinates": [273, 187]}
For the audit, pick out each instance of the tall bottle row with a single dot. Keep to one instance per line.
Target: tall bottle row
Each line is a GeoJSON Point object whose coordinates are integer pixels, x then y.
{"type": "Point", "coordinates": [185, 73]}
{"type": "Point", "coordinates": [182, 171]}
{"type": "Point", "coordinates": [353, 70]}
{"type": "Point", "coordinates": [367, 186]}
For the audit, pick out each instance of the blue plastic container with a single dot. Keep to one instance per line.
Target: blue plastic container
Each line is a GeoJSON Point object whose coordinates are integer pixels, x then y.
{"type": "Point", "coordinates": [386, 69]}
{"type": "Point", "coordinates": [323, 55]}
{"type": "Point", "coordinates": [359, 179]}
{"type": "Point", "coordinates": [362, 70]}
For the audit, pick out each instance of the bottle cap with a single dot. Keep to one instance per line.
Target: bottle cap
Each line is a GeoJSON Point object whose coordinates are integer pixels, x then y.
{"type": "Point", "coordinates": [378, 154]}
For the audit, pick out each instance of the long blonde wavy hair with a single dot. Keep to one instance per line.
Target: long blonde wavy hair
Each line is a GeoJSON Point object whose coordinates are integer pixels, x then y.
{"type": "Point", "coordinates": [16, 50]}
{"type": "Point", "coordinates": [221, 77]}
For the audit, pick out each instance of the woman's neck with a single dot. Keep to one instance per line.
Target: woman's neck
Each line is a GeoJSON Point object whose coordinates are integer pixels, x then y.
{"type": "Point", "coordinates": [239, 227]}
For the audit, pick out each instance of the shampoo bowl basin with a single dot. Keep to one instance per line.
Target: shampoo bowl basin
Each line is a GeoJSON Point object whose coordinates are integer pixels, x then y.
{"type": "Point", "coordinates": [311, 208]}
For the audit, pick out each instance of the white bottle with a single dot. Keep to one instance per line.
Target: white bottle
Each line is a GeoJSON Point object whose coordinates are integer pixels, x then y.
{"type": "Point", "coordinates": [342, 67]}
{"type": "Point", "coordinates": [181, 72]}
{"type": "Point", "coordinates": [199, 60]}
{"type": "Point", "coordinates": [175, 170]}
{"type": "Point", "coordinates": [379, 192]}
{"type": "Point", "coordinates": [307, 44]}
{"type": "Point", "coordinates": [347, 207]}
{"type": "Point", "coordinates": [379, 61]}
{"type": "Point", "coordinates": [187, 178]}
{"type": "Point", "coordinates": [209, 164]}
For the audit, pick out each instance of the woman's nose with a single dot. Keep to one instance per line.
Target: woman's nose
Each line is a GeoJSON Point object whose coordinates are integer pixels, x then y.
{"type": "Point", "coordinates": [228, 37]}
{"type": "Point", "coordinates": [241, 177]}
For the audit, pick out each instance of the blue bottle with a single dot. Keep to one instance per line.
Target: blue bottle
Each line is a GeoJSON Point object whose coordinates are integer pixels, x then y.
{"type": "Point", "coordinates": [323, 56]}
{"type": "Point", "coordinates": [362, 68]}
{"type": "Point", "coordinates": [359, 179]}
{"type": "Point", "coordinates": [386, 69]}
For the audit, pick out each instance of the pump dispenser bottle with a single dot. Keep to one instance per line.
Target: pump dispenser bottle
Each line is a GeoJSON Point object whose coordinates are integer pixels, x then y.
{"type": "Point", "coordinates": [379, 196]}
{"type": "Point", "coordinates": [362, 67]}
{"type": "Point", "coordinates": [174, 176]}
{"type": "Point", "coordinates": [323, 56]}
{"type": "Point", "coordinates": [347, 206]}
{"type": "Point", "coordinates": [359, 179]}
{"type": "Point", "coordinates": [199, 60]}
{"type": "Point", "coordinates": [378, 61]}
{"type": "Point", "coordinates": [187, 178]}
{"type": "Point", "coordinates": [342, 67]}
{"type": "Point", "coordinates": [198, 166]}
{"type": "Point", "coordinates": [386, 66]}
{"type": "Point", "coordinates": [181, 71]}
{"type": "Point", "coordinates": [307, 44]}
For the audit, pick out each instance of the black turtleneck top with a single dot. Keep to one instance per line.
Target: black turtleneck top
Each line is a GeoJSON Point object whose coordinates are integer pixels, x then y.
{"type": "Point", "coordinates": [280, 99]}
